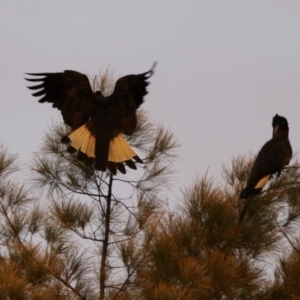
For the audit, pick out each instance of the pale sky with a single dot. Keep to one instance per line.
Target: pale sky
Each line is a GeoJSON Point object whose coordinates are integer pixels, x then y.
{"type": "Point", "coordinates": [225, 68]}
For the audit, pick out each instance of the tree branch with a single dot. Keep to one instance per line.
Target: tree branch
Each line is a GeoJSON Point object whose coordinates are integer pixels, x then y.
{"type": "Point", "coordinates": [106, 240]}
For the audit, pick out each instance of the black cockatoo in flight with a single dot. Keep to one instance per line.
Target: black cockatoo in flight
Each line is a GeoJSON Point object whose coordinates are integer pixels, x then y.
{"type": "Point", "coordinates": [97, 122]}
{"type": "Point", "coordinates": [272, 158]}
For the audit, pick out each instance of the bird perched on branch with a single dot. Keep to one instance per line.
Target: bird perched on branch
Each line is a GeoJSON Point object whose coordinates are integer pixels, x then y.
{"type": "Point", "coordinates": [97, 122]}
{"type": "Point", "coordinates": [271, 159]}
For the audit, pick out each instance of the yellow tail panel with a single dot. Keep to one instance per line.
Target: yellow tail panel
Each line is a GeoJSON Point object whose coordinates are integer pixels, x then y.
{"type": "Point", "coordinates": [119, 150]}
{"type": "Point", "coordinates": [111, 151]}
{"type": "Point", "coordinates": [126, 149]}
{"type": "Point", "coordinates": [261, 183]}
{"type": "Point", "coordinates": [90, 152]}
{"type": "Point", "coordinates": [82, 139]}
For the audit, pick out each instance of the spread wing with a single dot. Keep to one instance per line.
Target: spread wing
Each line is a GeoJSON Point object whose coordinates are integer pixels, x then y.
{"type": "Point", "coordinates": [69, 91]}
{"type": "Point", "coordinates": [127, 96]}
{"type": "Point", "coordinates": [115, 116]}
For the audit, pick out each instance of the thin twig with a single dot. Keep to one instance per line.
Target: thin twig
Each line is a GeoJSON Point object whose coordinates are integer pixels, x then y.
{"type": "Point", "coordinates": [288, 239]}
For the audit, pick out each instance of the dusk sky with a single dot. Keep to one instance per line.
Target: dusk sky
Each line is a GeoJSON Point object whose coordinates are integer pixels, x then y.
{"type": "Point", "coordinates": [225, 68]}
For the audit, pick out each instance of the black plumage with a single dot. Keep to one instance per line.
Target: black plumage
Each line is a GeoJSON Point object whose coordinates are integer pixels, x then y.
{"type": "Point", "coordinates": [97, 122]}
{"type": "Point", "coordinates": [271, 159]}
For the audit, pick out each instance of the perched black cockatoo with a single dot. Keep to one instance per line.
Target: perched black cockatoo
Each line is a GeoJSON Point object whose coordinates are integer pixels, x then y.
{"type": "Point", "coordinates": [272, 158]}
{"type": "Point", "coordinates": [97, 122]}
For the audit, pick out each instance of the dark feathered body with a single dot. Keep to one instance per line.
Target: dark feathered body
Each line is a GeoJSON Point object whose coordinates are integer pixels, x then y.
{"type": "Point", "coordinates": [271, 159]}
{"type": "Point", "coordinates": [97, 122]}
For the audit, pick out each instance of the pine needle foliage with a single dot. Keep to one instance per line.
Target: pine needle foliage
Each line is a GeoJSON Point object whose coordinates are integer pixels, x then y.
{"type": "Point", "coordinates": [31, 246]}
{"type": "Point", "coordinates": [202, 251]}
{"type": "Point", "coordinates": [98, 236]}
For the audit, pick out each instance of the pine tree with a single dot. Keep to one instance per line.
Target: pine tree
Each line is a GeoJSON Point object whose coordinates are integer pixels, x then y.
{"type": "Point", "coordinates": [76, 233]}
{"type": "Point", "coordinates": [202, 251]}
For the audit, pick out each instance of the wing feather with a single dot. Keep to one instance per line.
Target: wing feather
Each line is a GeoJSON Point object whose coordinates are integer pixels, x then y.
{"type": "Point", "coordinates": [127, 96]}
{"type": "Point", "coordinates": [68, 91]}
